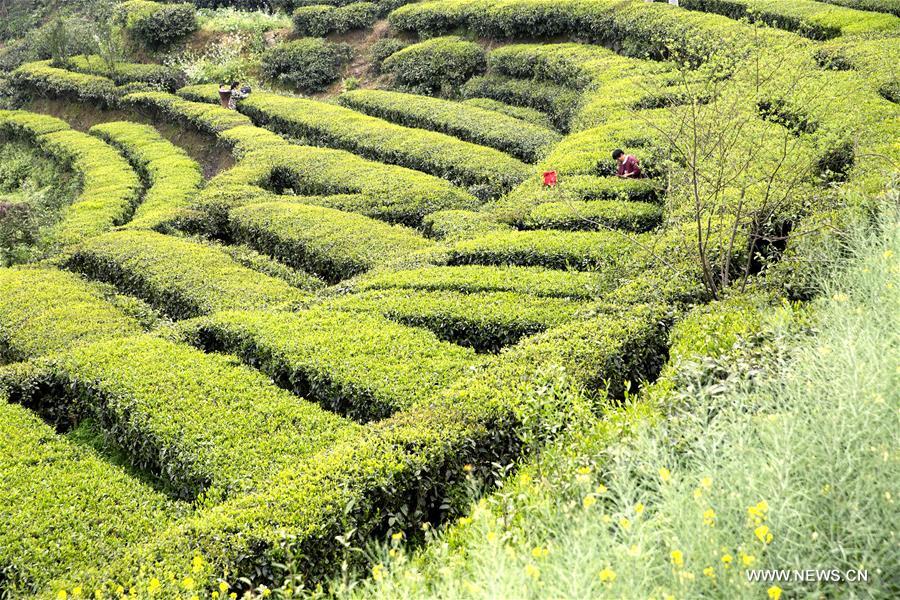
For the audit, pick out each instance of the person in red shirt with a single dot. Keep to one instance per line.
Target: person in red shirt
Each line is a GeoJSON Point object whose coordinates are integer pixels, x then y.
{"type": "Point", "coordinates": [628, 166]}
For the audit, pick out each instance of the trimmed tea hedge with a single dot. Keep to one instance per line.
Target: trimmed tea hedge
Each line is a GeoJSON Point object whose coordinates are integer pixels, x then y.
{"type": "Point", "coordinates": [403, 465]}
{"type": "Point", "coordinates": [607, 252]}
{"type": "Point", "coordinates": [332, 244]}
{"type": "Point", "coordinates": [360, 365]}
{"type": "Point", "coordinates": [205, 117]}
{"type": "Point", "coordinates": [594, 215]}
{"type": "Point", "coordinates": [110, 188]}
{"type": "Point", "coordinates": [383, 6]}
{"type": "Point", "coordinates": [62, 506]}
{"type": "Point", "coordinates": [250, 258]}
{"type": "Point", "coordinates": [155, 24]}
{"type": "Point", "coordinates": [557, 101]}
{"type": "Point", "coordinates": [173, 176]}
{"type": "Point", "coordinates": [451, 225]}
{"type": "Point", "coordinates": [309, 64]}
{"type": "Point", "coordinates": [45, 311]}
{"type": "Point", "coordinates": [47, 80]}
{"type": "Point", "coordinates": [319, 20]}
{"type": "Point", "coordinates": [529, 115]}
{"type": "Point", "coordinates": [437, 64]}
{"type": "Point", "coordinates": [180, 277]}
{"type": "Point", "coordinates": [811, 19]}
{"type": "Point", "coordinates": [469, 279]}
{"type": "Point", "coordinates": [485, 321]}
{"type": "Point", "coordinates": [888, 6]}
{"type": "Point", "coordinates": [194, 420]}
{"type": "Point", "coordinates": [523, 140]}
{"type": "Point", "coordinates": [435, 153]}
{"type": "Point", "coordinates": [122, 73]}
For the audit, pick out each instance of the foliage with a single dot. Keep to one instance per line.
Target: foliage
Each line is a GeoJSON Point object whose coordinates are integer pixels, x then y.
{"type": "Point", "coordinates": [558, 102]}
{"type": "Point", "coordinates": [230, 19]}
{"type": "Point", "coordinates": [436, 65]}
{"type": "Point", "coordinates": [450, 225]}
{"type": "Point", "coordinates": [123, 73]}
{"type": "Point", "coordinates": [156, 25]}
{"type": "Point", "coordinates": [207, 118]}
{"type": "Point", "coordinates": [529, 115]}
{"type": "Point", "coordinates": [54, 82]}
{"type": "Point", "coordinates": [309, 64]}
{"type": "Point", "coordinates": [594, 215]}
{"type": "Point", "coordinates": [320, 20]}
{"type": "Point", "coordinates": [382, 49]}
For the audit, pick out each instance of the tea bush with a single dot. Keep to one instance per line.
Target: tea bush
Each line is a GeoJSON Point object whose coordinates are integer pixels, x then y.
{"type": "Point", "coordinates": [309, 64]}
{"type": "Point", "coordinates": [439, 64]}
{"type": "Point", "coordinates": [322, 20]}
{"type": "Point", "coordinates": [156, 25]}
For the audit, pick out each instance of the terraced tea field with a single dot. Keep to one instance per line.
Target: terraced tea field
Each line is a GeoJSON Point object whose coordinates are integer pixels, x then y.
{"type": "Point", "coordinates": [210, 384]}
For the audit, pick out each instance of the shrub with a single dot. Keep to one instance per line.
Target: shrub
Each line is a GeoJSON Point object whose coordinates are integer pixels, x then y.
{"type": "Point", "coordinates": [123, 73]}
{"type": "Point", "coordinates": [194, 420]}
{"type": "Point", "coordinates": [888, 6]}
{"type": "Point", "coordinates": [579, 250]}
{"type": "Point", "coordinates": [469, 279]}
{"type": "Point", "coordinates": [46, 311]}
{"type": "Point", "coordinates": [179, 277]}
{"type": "Point", "coordinates": [309, 64]}
{"type": "Point", "coordinates": [321, 20]}
{"type": "Point", "coordinates": [173, 176]}
{"type": "Point", "coordinates": [558, 102]}
{"type": "Point", "coordinates": [206, 118]}
{"type": "Point", "coordinates": [485, 321]}
{"type": "Point", "coordinates": [332, 244]}
{"type": "Point", "coordinates": [363, 366]}
{"type": "Point", "coordinates": [110, 188]}
{"type": "Point", "coordinates": [529, 115]}
{"type": "Point", "coordinates": [594, 215]}
{"type": "Point", "coordinates": [382, 49]}
{"type": "Point", "coordinates": [156, 25]}
{"type": "Point", "coordinates": [434, 153]}
{"type": "Point", "coordinates": [439, 64]}
{"type": "Point", "coordinates": [50, 492]}
{"type": "Point", "coordinates": [449, 225]}
{"type": "Point", "coordinates": [60, 83]}
{"type": "Point", "coordinates": [522, 140]}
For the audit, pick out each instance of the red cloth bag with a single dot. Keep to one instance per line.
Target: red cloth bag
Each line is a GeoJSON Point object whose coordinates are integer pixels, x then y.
{"type": "Point", "coordinates": [549, 178]}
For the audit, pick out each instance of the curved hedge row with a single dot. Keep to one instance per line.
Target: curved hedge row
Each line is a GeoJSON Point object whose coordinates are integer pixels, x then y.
{"type": "Point", "coordinates": [110, 188]}
{"type": "Point", "coordinates": [47, 80]}
{"type": "Point", "coordinates": [50, 492]}
{"type": "Point", "coordinates": [319, 20]}
{"type": "Point", "coordinates": [332, 244]}
{"type": "Point", "coordinates": [360, 365]}
{"type": "Point", "coordinates": [194, 420]}
{"type": "Point", "coordinates": [887, 6]}
{"type": "Point", "coordinates": [174, 178]}
{"type": "Point", "coordinates": [558, 102]}
{"type": "Point", "coordinates": [434, 153]}
{"type": "Point", "coordinates": [180, 277]}
{"type": "Point", "coordinates": [523, 140]}
{"type": "Point", "coordinates": [529, 115]}
{"type": "Point", "coordinates": [46, 311]}
{"type": "Point", "coordinates": [485, 321]}
{"type": "Point", "coordinates": [438, 64]}
{"type": "Point", "coordinates": [123, 73]}
{"type": "Point", "coordinates": [805, 17]}
{"type": "Point", "coordinates": [594, 215]}
{"type": "Point", "coordinates": [449, 225]}
{"type": "Point", "coordinates": [469, 279]}
{"type": "Point", "coordinates": [205, 117]}
{"type": "Point", "coordinates": [579, 250]}
{"type": "Point", "coordinates": [403, 465]}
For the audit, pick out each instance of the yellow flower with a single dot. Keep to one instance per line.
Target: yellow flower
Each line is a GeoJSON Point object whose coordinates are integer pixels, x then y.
{"type": "Point", "coordinates": [378, 572]}
{"type": "Point", "coordinates": [888, 253]}
{"type": "Point", "coordinates": [706, 483]}
{"type": "Point", "coordinates": [665, 475]}
{"type": "Point", "coordinates": [120, 590]}
{"type": "Point", "coordinates": [774, 592]}
{"type": "Point", "coordinates": [233, 595]}
{"type": "Point", "coordinates": [589, 501]}
{"type": "Point", "coordinates": [98, 595]}
{"type": "Point", "coordinates": [624, 523]}
{"type": "Point", "coordinates": [584, 470]}
{"type": "Point", "coordinates": [197, 564]}
{"type": "Point", "coordinates": [266, 592]}
{"type": "Point", "coordinates": [697, 493]}
{"type": "Point", "coordinates": [677, 558]}
{"type": "Point", "coordinates": [709, 517]}
{"type": "Point", "coordinates": [601, 489]}
{"type": "Point", "coordinates": [763, 534]}
{"type": "Point", "coordinates": [392, 553]}
{"type": "Point", "coordinates": [747, 559]}
{"type": "Point", "coordinates": [492, 536]}
{"type": "Point", "coordinates": [727, 559]}
{"type": "Point", "coordinates": [759, 512]}
{"type": "Point", "coordinates": [467, 468]}
{"type": "Point", "coordinates": [607, 575]}
{"type": "Point", "coordinates": [188, 583]}
{"type": "Point", "coordinates": [223, 587]}
{"type": "Point", "coordinates": [76, 591]}
{"type": "Point", "coordinates": [710, 572]}
{"type": "Point", "coordinates": [463, 521]}
{"type": "Point", "coordinates": [840, 297]}
{"type": "Point", "coordinates": [62, 595]}
{"type": "Point", "coordinates": [215, 594]}
{"type": "Point", "coordinates": [154, 586]}
{"type": "Point", "coordinates": [532, 571]}
{"type": "Point", "coordinates": [639, 508]}
{"type": "Point", "coordinates": [538, 551]}
{"type": "Point", "coordinates": [397, 536]}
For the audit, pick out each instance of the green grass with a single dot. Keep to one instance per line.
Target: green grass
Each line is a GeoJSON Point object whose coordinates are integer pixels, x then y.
{"type": "Point", "coordinates": [779, 418]}
{"type": "Point", "coordinates": [226, 19]}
